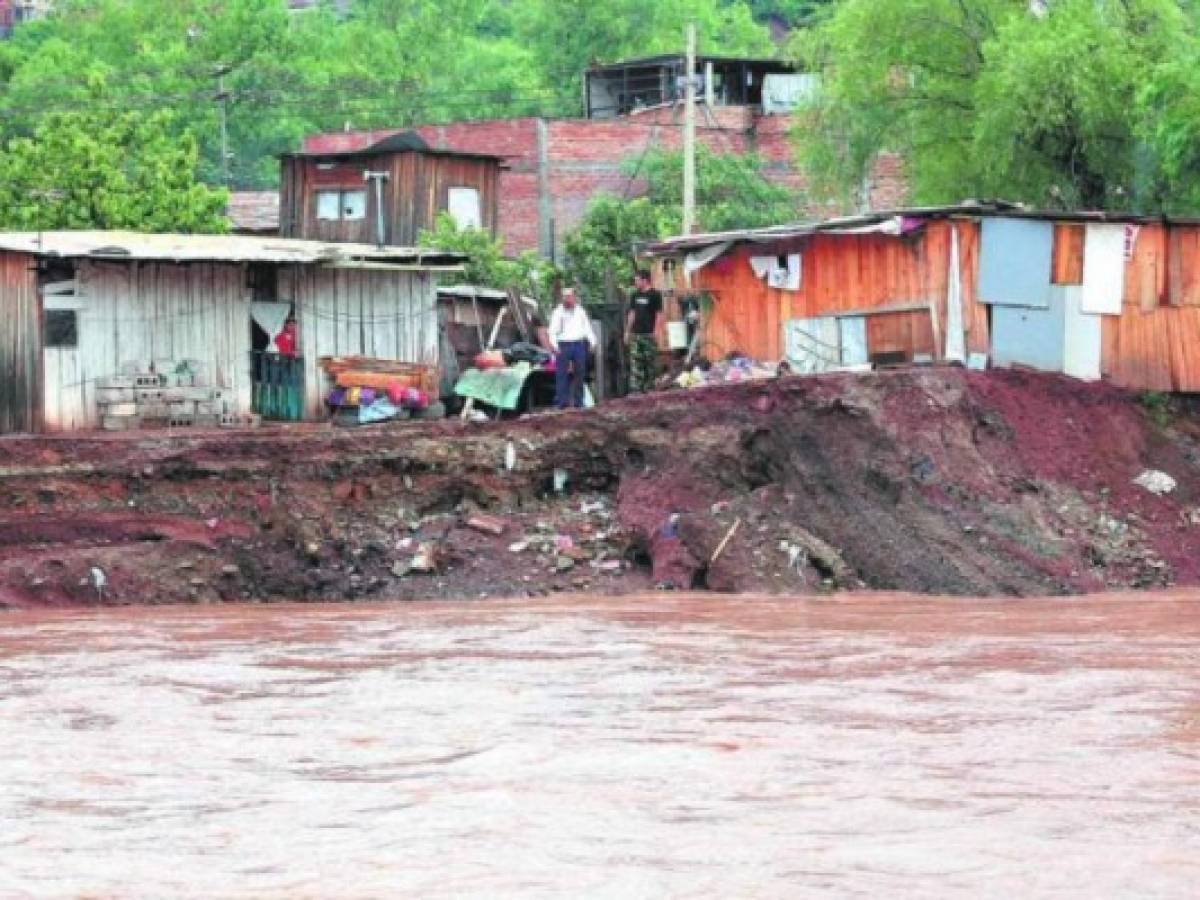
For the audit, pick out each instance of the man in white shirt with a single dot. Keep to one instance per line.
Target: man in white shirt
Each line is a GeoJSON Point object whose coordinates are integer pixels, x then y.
{"type": "Point", "coordinates": [571, 336]}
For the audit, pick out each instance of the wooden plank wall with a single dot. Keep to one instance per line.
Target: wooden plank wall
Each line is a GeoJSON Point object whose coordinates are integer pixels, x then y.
{"type": "Point", "coordinates": [843, 273]}
{"type": "Point", "coordinates": [1155, 343]}
{"type": "Point", "coordinates": [361, 312]}
{"type": "Point", "coordinates": [150, 312]}
{"type": "Point", "coordinates": [20, 345]}
{"type": "Point", "coordinates": [416, 191]}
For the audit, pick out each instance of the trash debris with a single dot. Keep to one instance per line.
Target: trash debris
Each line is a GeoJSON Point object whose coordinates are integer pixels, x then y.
{"type": "Point", "coordinates": [725, 543]}
{"type": "Point", "coordinates": [518, 547]}
{"type": "Point", "coordinates": [1156, 482]}
{"type": "Point", "coordinates": [510, 456]}
{"type": "Point", "coordinates": [99, 580]}
{"type": "Point", "coordinates": [402, 568]}
{"type": "Point", "coordinates": [488, 525]}
{"type": "Point", "coordinates": [564, 563]}
{"type": "Point", "coordinates": [426, 560]}
{"type": "Point", "coordinates": [563, 543]}
{"type": "Point", "coordinates": [560, 480]}
{"type": "Point", "coordinates": [587, 509]}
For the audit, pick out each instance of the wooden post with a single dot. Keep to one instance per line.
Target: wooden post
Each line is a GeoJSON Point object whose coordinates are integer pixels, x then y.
{"type": "Point", "coordinates": [689, 134]}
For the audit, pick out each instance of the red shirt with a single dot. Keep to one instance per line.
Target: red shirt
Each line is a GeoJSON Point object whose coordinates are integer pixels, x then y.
{"type": "Point", "coordinates": [286, 342]}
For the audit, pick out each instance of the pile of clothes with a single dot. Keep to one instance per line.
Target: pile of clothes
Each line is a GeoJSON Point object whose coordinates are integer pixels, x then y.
{"type": "Point", "coordinates": [733, 369]}
{"type": "Point", "coordinates": [364, 405]}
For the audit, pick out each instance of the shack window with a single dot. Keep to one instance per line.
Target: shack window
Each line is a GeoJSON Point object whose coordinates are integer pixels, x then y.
{"type": "Point", "coordinates": [61, 329]}
{"type": "Point", "coordinates": [463, 206]}
{"type": "Point", "coordinates": [354, 204]}
{"type": "Point", "coordinates": [329, 205]}
{"type": "Point", "coordinates": [334, 206]}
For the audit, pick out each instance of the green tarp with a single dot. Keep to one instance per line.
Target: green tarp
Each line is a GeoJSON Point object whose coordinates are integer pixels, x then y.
{"type": "Point", "coordinates": [500, 388]}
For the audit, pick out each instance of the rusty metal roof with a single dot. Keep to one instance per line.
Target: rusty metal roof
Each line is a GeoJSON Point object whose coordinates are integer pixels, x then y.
{"type": "Point", "coordinates": [253, 211]}
{"type": "Point", "coordinates": [131, 245]}
{"type": "Point", "coordinates": [847, 224]}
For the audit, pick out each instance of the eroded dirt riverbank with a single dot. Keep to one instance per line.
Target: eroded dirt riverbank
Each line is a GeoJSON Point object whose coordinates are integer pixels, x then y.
{"type": "Point", "coordinates": [929, 480]}
{"type": "Point", "coordinates": [657, 745]}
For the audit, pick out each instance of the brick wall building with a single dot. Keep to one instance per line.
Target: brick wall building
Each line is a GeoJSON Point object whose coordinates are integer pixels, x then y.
{"type": "Point", "coordinates": [554, 168]}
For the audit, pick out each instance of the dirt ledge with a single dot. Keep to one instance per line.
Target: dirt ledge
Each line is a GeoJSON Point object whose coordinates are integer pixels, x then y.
{"type": "Point", "coordinates": [929, 480]}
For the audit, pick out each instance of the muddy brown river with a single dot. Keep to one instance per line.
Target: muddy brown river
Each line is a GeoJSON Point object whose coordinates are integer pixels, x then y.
{"type": "Point", "coordinates": [660, 746]}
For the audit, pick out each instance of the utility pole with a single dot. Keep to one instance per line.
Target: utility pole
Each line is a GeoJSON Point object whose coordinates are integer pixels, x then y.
{"type": "Point", "coordinates": [689, 134]}
{"type": "Point", "coordinates": [222, 98]}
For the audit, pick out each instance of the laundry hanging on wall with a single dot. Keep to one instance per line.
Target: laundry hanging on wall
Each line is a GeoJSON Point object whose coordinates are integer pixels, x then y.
{"type": "Point", "coordinates": [271, 318]}
{"type": "Point", "coordinates": [1015, 262]}
{"type": "Point", "coordinates": [1104, 269]}
{"type": "Point", "coordinates": [782, 272]}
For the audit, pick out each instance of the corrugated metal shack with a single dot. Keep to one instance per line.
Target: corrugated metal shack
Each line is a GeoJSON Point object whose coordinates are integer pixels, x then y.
{"type": "Point", "coordinates": [82, 307]}
{"type": "Point", "coordinates": [1089, 294]}
{"type": "Point", "coordinates": [330, 196]}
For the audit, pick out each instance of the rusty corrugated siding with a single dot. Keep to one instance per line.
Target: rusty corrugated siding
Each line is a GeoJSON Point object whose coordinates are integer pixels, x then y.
{"type": "Point", "coordinates": [20, 345]}
{"type": "Point", "coordinates": [847, 273]}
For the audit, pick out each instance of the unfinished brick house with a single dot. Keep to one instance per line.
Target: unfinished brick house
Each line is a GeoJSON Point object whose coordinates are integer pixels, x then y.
{"type": "Point", "coordinates": [553, 168]}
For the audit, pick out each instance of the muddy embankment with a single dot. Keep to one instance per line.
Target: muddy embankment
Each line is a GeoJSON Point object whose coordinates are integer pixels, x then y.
{"type": "Point", "coordinates": [935, 480]}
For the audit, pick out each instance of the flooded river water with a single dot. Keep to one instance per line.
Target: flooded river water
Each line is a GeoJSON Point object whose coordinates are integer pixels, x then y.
{"type": "Point", "coordinates": [646, 747]}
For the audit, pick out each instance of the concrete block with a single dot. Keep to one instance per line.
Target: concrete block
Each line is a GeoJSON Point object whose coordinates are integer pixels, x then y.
{"type": "Point", "coordinates": [116, 382]}
{"type": "Point", "coordinates": [119, 423]}
{"type": "Point", "coordinates": [105, 395]}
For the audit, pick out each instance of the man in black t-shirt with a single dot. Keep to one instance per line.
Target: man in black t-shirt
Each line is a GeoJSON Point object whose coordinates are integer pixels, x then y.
{"type": "Point", "coordinates": [644, 307]}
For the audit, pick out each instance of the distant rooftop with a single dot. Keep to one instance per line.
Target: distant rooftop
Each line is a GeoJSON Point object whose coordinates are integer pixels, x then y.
{"type": "Point", "coordinates": [132, 245]}
{"type": "Point", "coordinates": [253, 212]}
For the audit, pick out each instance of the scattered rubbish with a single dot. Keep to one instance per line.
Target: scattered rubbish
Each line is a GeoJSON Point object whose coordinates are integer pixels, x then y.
{"type": "Point", "coordinates": [518, 547]}
{"type": "Point", "coordinates": [99, 580]}
{"type": "Point", "coordinates": [719, 507]}
{"type": "Point", "coordinates": [607, 565]}
{"type": "Point", "coordinates": [405, 544]}
{"type": "Point", "coordinates": [510, 456]}
{"type": "Point", "coordinates": [671, 528]}
{"type": "Point", "coordinates": [1156, 482]}
{"type": "Point", "coordinates": [563, 543]}
{"type": "Point", "coordinates": [560, 480]}
{"type": "Point", "coordinates": [564, 563]}
{"type": "Point", "coordinates": [402, 568]}
{"type": "Point", "coordinates": [212, 524]}
{"type": "Point", "coordinates": [588, 508]}
{"type": "Point", "coordinates": [725, 543]}
{"type": "Point", "coordinates": [488, 525]}
{"type": "Point", "coordinates": [426, 560]}
{"type": "Point", "coordinates": [478, 415]}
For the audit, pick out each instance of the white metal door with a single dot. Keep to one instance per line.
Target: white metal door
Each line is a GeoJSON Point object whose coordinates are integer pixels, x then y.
{"type": "Point", "coordinates": [853, 331]}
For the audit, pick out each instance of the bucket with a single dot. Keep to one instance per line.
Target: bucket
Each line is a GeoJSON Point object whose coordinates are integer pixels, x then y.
{"type": "Point", "coordinates": [677, 338]}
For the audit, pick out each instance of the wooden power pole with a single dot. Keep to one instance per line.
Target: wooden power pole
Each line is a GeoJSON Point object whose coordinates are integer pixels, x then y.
{"type": "Point", "coordinates": [689, 134]}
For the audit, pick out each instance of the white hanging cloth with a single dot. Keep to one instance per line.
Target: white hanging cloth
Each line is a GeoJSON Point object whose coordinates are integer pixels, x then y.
{"type": "Point", "coordinates": [956, 349]}
{"type": "Point", "coordinates": [784, 276]}
{"type": "Point", "coordinates": [270, 318]}
{"type": "Point", "coordinates": [1103, 269]}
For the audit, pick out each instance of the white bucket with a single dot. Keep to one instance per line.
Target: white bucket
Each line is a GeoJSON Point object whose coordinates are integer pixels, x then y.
{"type": "Point", "coordinates": [677, 335]}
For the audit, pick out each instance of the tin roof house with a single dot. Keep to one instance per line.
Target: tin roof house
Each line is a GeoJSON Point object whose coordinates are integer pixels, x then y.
{"type": "Point", "coordinates": [94, 321]}
{"type": "Point", "coordinates": [1089, 294]}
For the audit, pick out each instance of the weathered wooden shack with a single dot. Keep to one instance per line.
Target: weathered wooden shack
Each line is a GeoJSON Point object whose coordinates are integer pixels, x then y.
{"type": "Point", "coordinates": [1093, 295]}
{"type": "Point", "coordinates": [83, 307]}
{"type": "Point", "coordinates": [386, 193]}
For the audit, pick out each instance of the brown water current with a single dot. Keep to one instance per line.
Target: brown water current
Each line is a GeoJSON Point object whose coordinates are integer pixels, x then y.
{"type": "Point", "coordinates": [665, 745]}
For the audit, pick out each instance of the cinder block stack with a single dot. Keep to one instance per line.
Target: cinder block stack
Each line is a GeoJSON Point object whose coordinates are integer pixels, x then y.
{"type": "Point", "coordinates": [164, 394]}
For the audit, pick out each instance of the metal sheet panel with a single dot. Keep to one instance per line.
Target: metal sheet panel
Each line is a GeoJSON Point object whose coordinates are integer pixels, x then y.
{"type": "Point", "coordinates": [1029, 337]}
{"type": "Point", "coordinates": [20, 345]}
{"type": "Point", "coordinates": [853, 338]}
{"type": "Point", "coordinates": [1082, 336]}
{"type": "Point", "coordinates": [1015, 262]}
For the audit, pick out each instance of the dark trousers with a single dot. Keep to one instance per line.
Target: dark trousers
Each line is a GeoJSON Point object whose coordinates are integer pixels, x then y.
{"type": "Point", "coordinates": [570, 368]}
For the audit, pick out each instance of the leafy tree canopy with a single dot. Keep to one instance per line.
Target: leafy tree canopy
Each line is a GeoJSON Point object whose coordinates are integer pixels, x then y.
{"type": "Point", "coordinates": [731, 192]}
{"type": "Point", "coordinates": [488, 266]}
{"type": "Point", "coordinates": [368, 64]}
{"type": "Point", "coordinates": [987, 98]}
{"type": "Point", "coordinates": [94, 169]}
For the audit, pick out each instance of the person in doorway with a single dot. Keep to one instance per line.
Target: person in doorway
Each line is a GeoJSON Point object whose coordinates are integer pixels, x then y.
{"type": "Point", "coordinates": [571, 336]}
{"type": "Point", "coordinates": [287, 341]}
{"type": "Point", "coordinates": [644, 307]}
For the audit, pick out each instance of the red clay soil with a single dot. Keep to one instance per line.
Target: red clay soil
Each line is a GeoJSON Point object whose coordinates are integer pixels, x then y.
{"type": "Point", "coordinates": [931, 480]}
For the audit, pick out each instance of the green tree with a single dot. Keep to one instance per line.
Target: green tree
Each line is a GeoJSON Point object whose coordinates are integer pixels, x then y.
{"type": "Point", "coordinates": [731, 192]}
{"type": "Point", "coordinates": [488, 266]}
{"type": "Point", "coordinates": [988, 98]}
{"type": "Point", "coordinates": [92, 169]}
